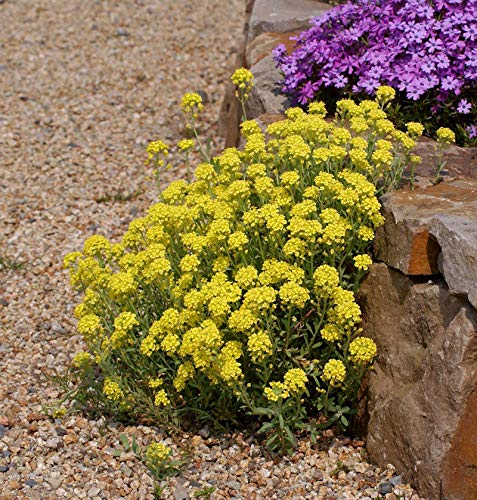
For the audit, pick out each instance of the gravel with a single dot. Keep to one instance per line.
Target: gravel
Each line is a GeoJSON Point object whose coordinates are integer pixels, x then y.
{"type": "Point", "coordinates": [84, 86]}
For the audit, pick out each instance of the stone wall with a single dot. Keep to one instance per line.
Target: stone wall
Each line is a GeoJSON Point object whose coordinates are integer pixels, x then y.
{"type": "Point", "coordinates": [419, 301]}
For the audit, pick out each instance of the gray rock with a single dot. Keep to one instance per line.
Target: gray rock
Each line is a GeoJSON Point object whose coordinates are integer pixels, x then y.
{"type": "Point", "coordinates": [396, 480]}
{"type": "Point", "coordinates": [283, 15]}
{"type": "Point", "coordinates": [385, 488]}
{"type": "Point", "coordinates": [457, 236]}
{"type": "Point", "coordinates": [181, 493]}
{"type": "Point", "coordinates": [31, 483]}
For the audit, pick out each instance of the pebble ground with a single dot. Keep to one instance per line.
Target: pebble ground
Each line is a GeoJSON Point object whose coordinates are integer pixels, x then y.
{"type": "Point", "coordinates": [84, 86]}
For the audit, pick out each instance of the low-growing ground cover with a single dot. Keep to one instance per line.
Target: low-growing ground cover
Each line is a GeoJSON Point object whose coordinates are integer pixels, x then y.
{"type": "Point", "coordinates": [232, 301]}
{"type": "Point", "coordinates": [426, 51]}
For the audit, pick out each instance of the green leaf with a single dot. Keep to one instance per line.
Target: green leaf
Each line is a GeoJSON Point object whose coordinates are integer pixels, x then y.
{"type": "Point", "coordinates": [135, 447]}
{"type": "Point", "coordinates": [262, 411]}
{"type": "Point", "coordinates": [124, 441]}
{"type": "Point", "coordinates": [116, 453]}
{"type": "Point", "coordinates": [290, 435]}
{"type": "Point", "coordinates": [266, 426]}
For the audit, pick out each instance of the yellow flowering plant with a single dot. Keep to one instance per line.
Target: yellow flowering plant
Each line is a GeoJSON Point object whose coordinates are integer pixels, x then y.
{"type": "Point", "coordinates": [233, 298]}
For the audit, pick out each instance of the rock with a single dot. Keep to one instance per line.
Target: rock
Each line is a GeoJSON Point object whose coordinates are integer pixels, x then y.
{"type": "Point", "coordinates": [283, 15]}
{"type": "Point", "coordinates": [122, 32]}
{"type": "Point", "coordinates": [457, 236]}
{"type": "Point", "coordinates": [54, 443]}
{"type": "Point", "coordinates": [94, 491]}
{"type": "Point", "coordinates": [266, 96]}
{"type": "Point", "coordinates": [421, 224]}
{"type": "Point", "coordinates": [181, 493]}
{"type": "Point", "coordinates": [385, 488]}
{"type": "Point", "coordinates": [460, 162]}
{"type": "Point", "coordinates": [421, 414]}
{"type": "Point", "coordinates": [4, 468]}
{"type": "Point", "coordinates": [263, 44]}
{"type": "Point", "coordinates": [395, 480]}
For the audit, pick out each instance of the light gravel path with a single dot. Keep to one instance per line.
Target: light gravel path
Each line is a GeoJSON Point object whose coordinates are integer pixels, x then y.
{"type": "Point", "coordinates": [84, 86]}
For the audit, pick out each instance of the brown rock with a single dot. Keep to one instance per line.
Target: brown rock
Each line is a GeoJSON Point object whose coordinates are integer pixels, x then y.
{"type": "Point", "coordinates": [425, 373]}
{"type": "Point", "coordinates": [459, 477]}
{"type": "Point", "coordinates": [421, 224]}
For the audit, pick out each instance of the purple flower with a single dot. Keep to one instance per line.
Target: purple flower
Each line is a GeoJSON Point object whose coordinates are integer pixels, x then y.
{"type": "Point", "coordinates": [464, 107]}
{"type": "Point", "coordinates": [307, 92]}
{"type": "Point", "coordinates": [471, 131]}
{"type": "Point", "coordinates": [426, 49]}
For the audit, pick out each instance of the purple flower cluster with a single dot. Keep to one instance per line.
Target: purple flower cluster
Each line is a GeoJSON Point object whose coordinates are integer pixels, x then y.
{"type": "Point", "coordinates": [422, 48]}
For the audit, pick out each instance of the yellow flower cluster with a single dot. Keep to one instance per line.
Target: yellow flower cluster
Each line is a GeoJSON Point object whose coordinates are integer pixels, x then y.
{"type": "Point", "coordinates": [362, 262]}
{"type": "Point", "coordinates": [362, 350]}
{"type": "Point", "coordinates": [81, 359]}
{"type": "Point", "coordinates": [243, 80]}
{"type": "Point", "coordinates": [334, 372]}
{"type": "Point", "coordinates": [228, 279]}
{"type": "Point", "coordinates": [294, 383]}
{"type": "Point", "coordinates": [156, 453]}
{"type": "Point", "coordinates": [445, 135]}
{"type": "Point", "coordinates": [123, 325]}
{"type": "Point", "coordinates": [112, 390]}
{"type": "Point", "coordinates": [191, 104]}
{"type": "Point", "coordinates": [186, 144]}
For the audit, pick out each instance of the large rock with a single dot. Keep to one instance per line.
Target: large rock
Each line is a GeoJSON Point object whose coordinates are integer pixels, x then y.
{"type": "Point", "coordinates": [433, 230]}
{"type": "Point", "coordinates": [422, 391]}
{"type": "Point", "coordinates": [283, 15]}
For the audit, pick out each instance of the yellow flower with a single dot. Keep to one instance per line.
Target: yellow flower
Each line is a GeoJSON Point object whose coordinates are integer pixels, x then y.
{"type": "Point", "coordinates": [289, 179]}
{"type": "Point", "coordinates": [362, 262]}
{"type": "Point", "coordinates": [330, 332]}
{"type": "Point", "coordinates": [96, 245]}
{"type": "Point", "coordinates": [81, 360]}
{"type": "Point", "coordinates": [414, 129]}
{"type": "Point", "coordinates": [246, 277]}
{"type": "Point", "coordinates": [191, 103]}
{"type": "Point", "coordinates": [362, 350]}
{"type": "Point", "coordinates": [190, 263]}
{"type": "Point", "coordinates": [326, 278]}
{"type": "Point", "coordinates": [161, 398]}
{"type": "Point", "coordinates": [445, 135]}
{"type": "Point", "coordinates": [186, 144]}
{"type": "Point", "coordinates": [365, 233]}
{"type": "Point", "coordinates": [237, 240]}
{"type": "Point", "coordinates": [90, 326]}
{"type": "Point", "coordinates": [156, 453]}
{"type": "Point", "coordinates": [243, 80]}
{"type": "Point", "coordinates": [385, 94]}
{"type": "Point", "coordinates": [317, 108]}
{"type": "Point", "coordinates": [294, 295]}
{"type": "Point", "coordinates": [294, 247]}
{"type": "Point", "coordinates": [276, 391]}
{"type": "Point", "coordinates": [259, 346]}
{"type": "Point", "coordinates": [334, 372]}
{"type": "Point", "coordinates": [295, 380]}
{"type": "Point", "coordinates": [112, 390]}
{"type": "Point", "coordinates": [121, 285]}
{"type": "Point", "coordinates": [157, 148]}
{"type": "Point", "coordinates": [185, 372]}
